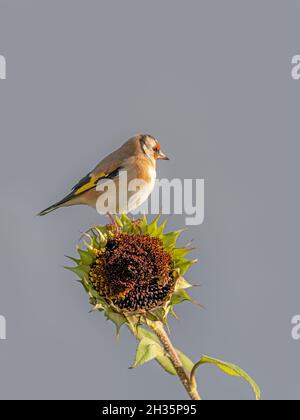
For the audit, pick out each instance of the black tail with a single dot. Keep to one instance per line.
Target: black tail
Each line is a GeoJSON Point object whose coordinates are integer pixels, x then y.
{"type": "Point", "coordinates": [56, 205]}
{"type": "Point", "coordinates": [48, 210]}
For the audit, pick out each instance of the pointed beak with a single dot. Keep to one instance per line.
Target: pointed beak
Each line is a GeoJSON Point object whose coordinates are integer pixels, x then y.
{"type": "Point", "coordinates": [162, 156]}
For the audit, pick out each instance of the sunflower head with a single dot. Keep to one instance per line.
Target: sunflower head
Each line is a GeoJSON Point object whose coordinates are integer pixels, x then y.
{"type": "Point", "coordinates": [133, 271]}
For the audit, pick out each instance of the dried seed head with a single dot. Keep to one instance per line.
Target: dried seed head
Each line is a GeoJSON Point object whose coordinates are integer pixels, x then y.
{"type": "Point", "coordinates": [133, 272]}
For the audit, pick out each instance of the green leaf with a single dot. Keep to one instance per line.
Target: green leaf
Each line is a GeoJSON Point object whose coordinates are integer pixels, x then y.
{"type": "Point", "coordinates": [75, 260]}
{"type": "Point", "coordinates": [91, 249]}
{"type": "Point", "coordinates": [117, 319]}
{"type": "Point", "coordinates": [147, 350]}
{"type": "Point", "coordinates": [85, 257]}
{"type": "Point", "coordinates": [85, 285]}
{"type": "Point", "coordinates": [127, 223]}
{"type": "Point", "coordinates": [231, 370]}
{"type": "Point", "coordinates": [180, 296]}
{"type": "Point", "coordinates": [179, 253]}
{"type": "Point", "coordinates": [166, 364]}
{"type": "Point", "coordinates": [93, 293]}
{"type": "Point", "coordinates": [161, 228]}
{"type": "Point", "coordinates": [101, 235]}
{"type": "Point", "coordinates": [170, 239]}
{"type": "Point", "coordinates": [98, 307]}
{"type": "Point", "coordinates": [186, 361]}
{"type": "Point", "coordinates": [182, 283]}
{"type": "Point", "coordinates": [133, 323]}
{"type": "Point", "coordinates": [142, 333]}
{"type": "Point", "coordinates": [152, 227]}
{"type": "Point", "coordinates": [118, 221]}
{"type": "Point", "coordinates": [81, 270]}
{"type": "Point", "coordinates": [183, 264]}
{"type": "Point", "coordinates": [143, 224]}
{"type": "Point", "coordinates": [125, 219]}
{"type": "Point", "coordinates": [163, 360]}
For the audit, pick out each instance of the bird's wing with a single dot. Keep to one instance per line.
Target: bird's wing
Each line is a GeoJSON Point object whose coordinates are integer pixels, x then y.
{"type": "Point", "coordinates": [108, 168]}
{"type": "Point", "coordinates": [91, 180]}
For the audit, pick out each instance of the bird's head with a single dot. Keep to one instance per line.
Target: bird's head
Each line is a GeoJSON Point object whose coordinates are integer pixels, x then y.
{"type": "Point", "coordinates": [151, 148]}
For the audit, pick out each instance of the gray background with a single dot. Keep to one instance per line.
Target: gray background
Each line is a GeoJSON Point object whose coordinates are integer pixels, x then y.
{"type": "Point", "coordinates": [211, 79]}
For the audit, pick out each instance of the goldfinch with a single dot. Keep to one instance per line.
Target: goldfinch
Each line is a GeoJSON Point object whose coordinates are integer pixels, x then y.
{"type": "Point", "coordinates": [136, 161]}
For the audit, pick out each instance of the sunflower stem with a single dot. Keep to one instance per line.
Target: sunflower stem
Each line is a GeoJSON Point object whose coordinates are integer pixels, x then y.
{"type": "Point", "coordinates": [190, 386]}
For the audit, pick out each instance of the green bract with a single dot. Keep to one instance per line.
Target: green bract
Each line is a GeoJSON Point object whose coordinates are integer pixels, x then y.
{"type": "Point", "coordinates": [133, 271]}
